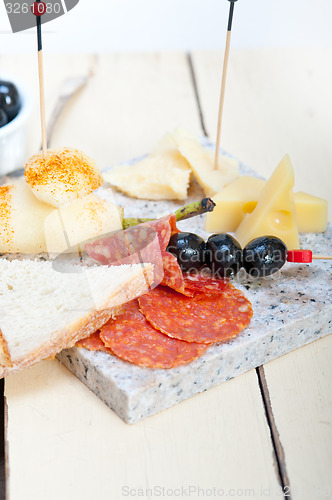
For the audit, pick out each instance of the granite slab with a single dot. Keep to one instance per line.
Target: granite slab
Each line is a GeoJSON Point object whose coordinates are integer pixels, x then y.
{"type": "Point", "coordinates": [291, 308]}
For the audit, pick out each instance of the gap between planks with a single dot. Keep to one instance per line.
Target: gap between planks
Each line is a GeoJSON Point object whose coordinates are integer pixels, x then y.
{"type": "Point", "coordinates": [2, 441]}
{"type": "Point", "coordinates": [275, 437]}
{"type": "Point", "coordinates": [198, 101]}
{"type": "Point", "coordinates": [279, 454]}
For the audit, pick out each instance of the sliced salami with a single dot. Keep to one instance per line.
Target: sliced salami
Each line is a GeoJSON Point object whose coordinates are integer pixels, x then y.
{"type": "Point", "coordinates": [132, 338]}
{"type": "Point", "coordinates": [204, 284]}
{"type": "Point", "coordinates": [173, 275]}
{"type": "Point", "coordinates": [208, 319]}
{"type": "Point", "coordinates": [144, 243]}
{"type": "Point", "coordinates": [164, 227]}
{"type": "Point", "coordinates": [93, 343]}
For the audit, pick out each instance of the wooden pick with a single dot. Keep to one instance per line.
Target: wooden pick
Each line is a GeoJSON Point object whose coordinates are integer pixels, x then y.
{"type": "Point", "coordinates": [323, 257]}
{"type": "Point", "coordinates": [41, 84]}
{"type": "Point", "coordinates": [223, 81]}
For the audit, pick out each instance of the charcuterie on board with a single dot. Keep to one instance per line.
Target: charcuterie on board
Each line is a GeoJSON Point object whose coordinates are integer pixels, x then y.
{"type": "Point", "coordinates": [204, 294]}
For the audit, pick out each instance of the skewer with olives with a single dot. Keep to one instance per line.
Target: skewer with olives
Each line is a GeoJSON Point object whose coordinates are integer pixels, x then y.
{"type": "Point", "coordinates": [223, 255]}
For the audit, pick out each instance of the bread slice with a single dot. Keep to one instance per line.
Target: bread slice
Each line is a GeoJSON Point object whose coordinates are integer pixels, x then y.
{"type": "Point", "coordinates": [44, 310]}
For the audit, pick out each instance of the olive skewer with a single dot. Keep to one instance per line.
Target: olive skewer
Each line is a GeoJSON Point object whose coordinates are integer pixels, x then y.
{"type": "Point", "coordinates": [223, 255]}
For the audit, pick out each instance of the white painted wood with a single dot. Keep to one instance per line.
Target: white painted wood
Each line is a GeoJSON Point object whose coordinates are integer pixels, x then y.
{"type": "Point", "coordinates": [300, 386]}
{"type": "Point", "coordinates": [277, 101]}
{"type": "Point", "coordinates": [65, 443]}
{"type": "Point", "coordinates": [62, 441]}
{"type": "Point", "coordinates": [128, 106]}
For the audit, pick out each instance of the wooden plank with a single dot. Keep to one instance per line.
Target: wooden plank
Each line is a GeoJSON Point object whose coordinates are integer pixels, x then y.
{"type": "Point", "coordinates": [277, 101]}
{"type": "Point", "coordinates": [56, 427]}
{"type": "Point", "coordinates": [122, 115]}
{"type": "Point", "coordinates": [59, 429]}
{"type": "Point", "coordinates": [300, 387]}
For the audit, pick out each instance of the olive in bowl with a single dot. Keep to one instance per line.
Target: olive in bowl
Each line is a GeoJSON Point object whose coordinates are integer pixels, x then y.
{"type": "Point", "coordinates": [9, 99]}
{"type": "Point", "coordinates": [15, 105]}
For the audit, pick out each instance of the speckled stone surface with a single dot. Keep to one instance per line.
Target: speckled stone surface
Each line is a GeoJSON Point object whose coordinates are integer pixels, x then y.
{"type": "Point", "coordinates": [291, 309]}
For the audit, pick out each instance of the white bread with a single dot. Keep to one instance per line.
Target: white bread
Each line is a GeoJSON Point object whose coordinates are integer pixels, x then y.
{"type": "Point", "coordinates": [29, 226]}
{"type": "Point", "coordinates": [62, 175]}
{"type": "Point", "coordinates": [43, 311]}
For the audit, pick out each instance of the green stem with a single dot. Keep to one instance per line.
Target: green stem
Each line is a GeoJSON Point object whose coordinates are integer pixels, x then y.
{"type": "Point", "coordinates": [186, 212]}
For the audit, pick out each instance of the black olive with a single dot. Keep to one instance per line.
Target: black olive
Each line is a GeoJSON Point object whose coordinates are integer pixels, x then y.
{"type": "Point", "coordinates": [9, 99]}
{"type": "Point", "coordinates": [223, 255]}
{"type": "Point", "coordinates": [188, 248]}
{"type": "Point", "coordinates": [3, 118]}
{"type": "Point", "coordinates": [264, 256]}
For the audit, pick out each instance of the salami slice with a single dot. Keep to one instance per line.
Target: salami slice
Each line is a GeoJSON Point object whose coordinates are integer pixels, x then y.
{"type": "Point", "coordinates": [132, 338]}
{"type": "Point", "coordinates": [93, 343]}
{"type": "Point", "coordinates": [198, 319]}
{"type": "Point", "coordinates": [204, 284]}
{"type": "Point", "coordinates": [124, 245]}
{"type": "Point", "coordinates": [145, 242]}
{"type": "Point", "coordinates": [164, 227]}
{"type": "Point", "coordinates": [173, 275]}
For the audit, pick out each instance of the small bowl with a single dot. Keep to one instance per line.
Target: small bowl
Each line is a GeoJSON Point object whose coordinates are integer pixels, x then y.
{"type": "Point", "coordinates": [13, 135]}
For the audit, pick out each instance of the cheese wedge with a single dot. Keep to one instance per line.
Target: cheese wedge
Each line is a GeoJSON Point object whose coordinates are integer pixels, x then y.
{"type": "Point", "coordinates": [164, 175]}
{"type": "Point", "coordinates": [275, 211]}
{"type": "Point", "coordinates": [233, 203]}
{"type": "Point", "coordinates": [201, 161]}
{"type": "Point", "coordinates": [240, 197]}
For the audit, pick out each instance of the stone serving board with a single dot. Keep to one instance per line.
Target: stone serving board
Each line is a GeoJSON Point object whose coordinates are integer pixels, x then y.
{"type": "Point", "coordinates": [291, 308]}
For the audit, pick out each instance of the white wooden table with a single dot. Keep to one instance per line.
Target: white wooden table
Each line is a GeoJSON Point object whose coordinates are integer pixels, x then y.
{"type": "Point", "coordinates": [267, 429]}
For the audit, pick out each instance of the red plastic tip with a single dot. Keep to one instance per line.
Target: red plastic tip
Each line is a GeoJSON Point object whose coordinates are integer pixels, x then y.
{"type": "Point", "coordinates": [301, 256]}
{"type": "Point", "coordinates": [38, 8]}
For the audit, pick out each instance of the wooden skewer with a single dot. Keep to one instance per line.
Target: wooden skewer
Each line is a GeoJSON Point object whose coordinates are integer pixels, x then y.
{"type": "Point", "coordinates": [41, 85]}
{"type": "Point", "coordinates": [323, 257]}
{"type": "Point", "coordinates": [223, 81]}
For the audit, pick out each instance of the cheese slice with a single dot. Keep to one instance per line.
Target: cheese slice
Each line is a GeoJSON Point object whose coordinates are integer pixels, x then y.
{"type": "Point", "coordinates": [233, 203]}
{"type": "Point", "coordinates": [201, 161]}
{"type": "Point", "coordinates": [75, 223]}
{"type": "Point", "coordinates": [22, 218]}
{"type": "Point", "coordinates": [240, 197]}
{"type": "Point", "coordinates": [29, 226]}
{"type": "Point", "coordinates": [164, 175]}
{"type": "Point", "coordinates": [275, 211]}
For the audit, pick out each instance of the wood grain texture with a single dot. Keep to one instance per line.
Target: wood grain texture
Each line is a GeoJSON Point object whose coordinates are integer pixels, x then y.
{"type": "Point", "coordinates": [57, 428]}
{"type": "Point", "coordinates": [128, 105]}
{"type": "Point", "coordinates": [277, 101]}
{"type": "Point", "coordinates": [300, 386]}
{"type": "Point", "coordinates": [62, 441]}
